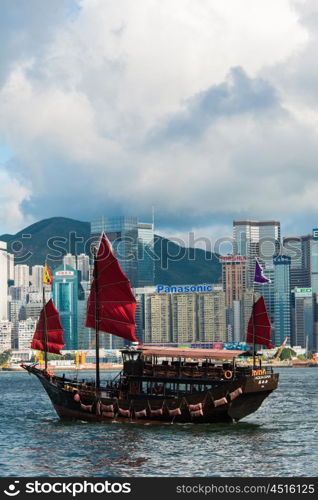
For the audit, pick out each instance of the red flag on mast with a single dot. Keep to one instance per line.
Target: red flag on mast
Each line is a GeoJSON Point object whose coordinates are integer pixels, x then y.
{"type": "Point", "coordinates": [53, 331]}
{"type": "Point", "coordinates": [259, 325]}
{"type": "Point", "coordinates": [116, 305]}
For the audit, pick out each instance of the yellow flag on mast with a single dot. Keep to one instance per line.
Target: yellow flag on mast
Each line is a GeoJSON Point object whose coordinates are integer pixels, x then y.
{"type": "Point", "coordinates": [47, 276]}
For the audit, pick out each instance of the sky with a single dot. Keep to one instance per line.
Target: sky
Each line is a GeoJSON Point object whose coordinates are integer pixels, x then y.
{"type": "Point", "coordinates": [205, 110]}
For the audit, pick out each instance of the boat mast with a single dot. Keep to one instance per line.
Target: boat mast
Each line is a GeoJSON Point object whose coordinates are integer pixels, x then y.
{"type": "Point", "coordinates": [96, 320]}
{"type": "Point", "coordinates": [254, 330]}
{"type": "Point", "coordinates": [45, 327]}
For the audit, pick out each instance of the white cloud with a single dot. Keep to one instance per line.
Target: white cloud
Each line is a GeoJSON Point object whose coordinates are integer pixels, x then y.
{"type": "Point", "coordinates": [12, 195]}
{"type": "Point", "coordinates": [132, 104]}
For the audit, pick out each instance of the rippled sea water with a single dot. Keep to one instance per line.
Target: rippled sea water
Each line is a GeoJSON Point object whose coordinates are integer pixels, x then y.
{"type": "Point", "coordinates": [280, 439]}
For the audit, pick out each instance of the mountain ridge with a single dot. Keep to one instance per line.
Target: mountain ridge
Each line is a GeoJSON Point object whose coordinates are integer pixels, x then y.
{"type": "Point", "coordinates": [50, 239]}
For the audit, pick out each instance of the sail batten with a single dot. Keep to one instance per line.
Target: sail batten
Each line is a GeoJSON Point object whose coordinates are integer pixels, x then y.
{"type": "Point", "coordinates": [49, 333]}
{"type": "Point", "coordinates": [111, 305]}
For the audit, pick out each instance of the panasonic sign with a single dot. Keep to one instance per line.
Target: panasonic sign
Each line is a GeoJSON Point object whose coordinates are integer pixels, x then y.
{"type": "Point", "coordinates": [188, 288]}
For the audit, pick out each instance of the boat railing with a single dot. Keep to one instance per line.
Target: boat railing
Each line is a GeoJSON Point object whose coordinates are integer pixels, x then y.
{"type": "Point", "coordinates": [201, 370]}
{"type": "Point", "coordinates": [189, 370]}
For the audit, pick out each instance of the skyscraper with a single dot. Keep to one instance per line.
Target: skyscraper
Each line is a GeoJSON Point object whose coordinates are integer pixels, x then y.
{"type": "Point", "coordinates": [130, 239]}
{"type": "Point", "coordinates": [21, 275]}
{"type": "Point", "coordinates": [10, 258]}
{"type": "Point", "coordinates": [303, 318]}
{"type": "Point", "coordinates": [184, 314]}
{"type": "Point", "coordinates": [65, 296]}
{"type": "Point", "coordinates": [282, 305]}
{"type": "Point", "coordinates": [122, 232]}
{"type": "Point", "coordinates": [256, 238]}
{"type": "Point", "coordinates": [184, 325]}
{"type": "Point", "coordinates": [17, 313]}
{"type": "Point", "coordinates": [146, 263]}
{"type": "Point", "coordinates": [140, 296]}
{"type": "Point", "coordinates": [158, 318]}
{"type": "Point", "coordinates": [314, 261]}
{"type": "Point", "coordinates": [5, 335]}
{"type": "Point", "coordinates": [37, 277]}
{"type": "Point", "coordinates": [303, 251]}
{"type": "Point", "coordinates": [234, 277]}
{"type": "Point", "coordinates": [211, 317]}
{"type": "Point", "coordinates": [26, 329]}
{"type": "Point", "coordinates": [298, 249]}
{"type": "Point", "coordinates": [70, 260]}
{"type": "Point", "coordinates": [3, 281]}
{"type": "Point", "coordinates": [83, 266]}
{"type": "Point", "coordinates": [267, 291]}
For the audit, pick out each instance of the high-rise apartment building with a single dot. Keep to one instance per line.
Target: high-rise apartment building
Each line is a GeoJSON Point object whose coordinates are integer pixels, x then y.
{"type": "Point", "coordinates": [33, 309]}
{"type": "Point", "coordinates": [21, 275]}
{"type": "Point", "coordinates": [184, 317]}
{"type": "Point", "coordinates": [5, 335]}
{"type": "Point", "coordinates": [256, 238]}
{"type": "Point", "coordinates": [158, 318]}
{"type": "Point", "coordinates": [26, 329]}
{"type": "Point", "coordinates": [83, 266]}
{"type": "Point", "coordinates": [10, 258]}
{"type": "Point", "coordinates": [16, 314]}
{"type": "Point", "coordinates": [65, 296]}
{"type": "Point", "coordinates": [211, 326]}
{"type": "Point", "coordinates": [140, 296]}
{"type": "Point", "coordinates": [69, 260]}
{"type": "Point", "coordinates": [3, 281]}
{"type": "Point", "coordinates": [37, 277]}
{"type": "Point", "coordinates": [184, 314]}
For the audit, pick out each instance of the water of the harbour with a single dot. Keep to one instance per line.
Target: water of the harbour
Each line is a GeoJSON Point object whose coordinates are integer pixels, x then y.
{"type": "Point", "coordinates": [280, 439]}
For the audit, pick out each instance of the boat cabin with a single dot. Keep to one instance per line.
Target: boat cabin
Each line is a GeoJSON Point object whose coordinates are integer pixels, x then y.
{"type": "Point", "coordinates": [177, 362]}
{"type": "Point", "coordinates": [174, 371]}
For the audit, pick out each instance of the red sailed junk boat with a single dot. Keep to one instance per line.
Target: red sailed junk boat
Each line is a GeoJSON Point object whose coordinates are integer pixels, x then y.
{"type": "Point", "coordinates": [157, 385]}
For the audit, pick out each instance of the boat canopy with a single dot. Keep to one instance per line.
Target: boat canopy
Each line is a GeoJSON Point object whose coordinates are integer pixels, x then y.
{"type": "Point", "coordinates": [188, 352]}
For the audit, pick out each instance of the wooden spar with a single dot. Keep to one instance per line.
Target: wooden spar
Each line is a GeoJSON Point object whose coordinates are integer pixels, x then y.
{"type": "Point", "coordinates": [96, 321]}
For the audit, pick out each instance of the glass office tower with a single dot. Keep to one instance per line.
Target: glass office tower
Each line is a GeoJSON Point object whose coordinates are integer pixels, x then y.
{"type": "Point", "coordinates": [282, 299]}
{"type": "Point", "coordinates": [65, 296]}
{"type": "Point", "coordinates": [132, 242]}
{"type": "Point", "coordinates": [256, 238]}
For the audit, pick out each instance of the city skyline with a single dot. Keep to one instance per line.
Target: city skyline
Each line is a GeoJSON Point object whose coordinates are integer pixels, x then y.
{"type": "Point", "coordinates": [198, 239]}
{"type": "Point", "coordinates": [184, 123]}
{"type": "Point", "coordinates": [291, 295]}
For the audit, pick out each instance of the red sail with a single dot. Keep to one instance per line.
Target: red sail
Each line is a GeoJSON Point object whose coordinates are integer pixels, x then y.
{"type": "Point", "coordinates": [54, 330]}
{"type": "Point", "coordinates": [116, 305]}
{"type": "Point", "coordinates": [259, 324]}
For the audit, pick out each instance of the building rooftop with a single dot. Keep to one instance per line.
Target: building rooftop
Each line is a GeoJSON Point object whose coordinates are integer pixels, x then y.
{"type": "Point", "coordinates": [243, 222]}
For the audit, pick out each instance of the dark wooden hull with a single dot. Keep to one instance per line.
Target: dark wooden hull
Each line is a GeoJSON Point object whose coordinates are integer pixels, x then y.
{"type": "Point", "coordinates": [218, 405]}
